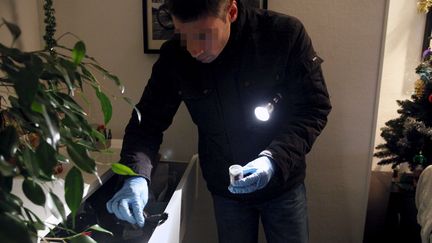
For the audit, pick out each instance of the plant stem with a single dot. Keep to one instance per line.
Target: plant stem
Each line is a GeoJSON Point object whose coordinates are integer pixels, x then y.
{"type": "Point", "coordinates": [47, 239]}
{"type": "Point", "coordinates": [67, 33]}
{"type": "Point", "coordinates": [50, 26]}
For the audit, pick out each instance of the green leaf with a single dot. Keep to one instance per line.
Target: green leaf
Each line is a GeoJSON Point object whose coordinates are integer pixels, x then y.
{"type": "Point", "coordinates": [52, 128]}
{"type": "Point", "coordinates": [74, 116]}
{"type": "Point", "coordinates": [29, 160]}
{"type": "Point", "coordinates": [51, 73]}
{"type": "Point", "coordinates": [78, 52]}
{"type": "Point", "coordinates": [66, 68]}
{"type": "Point", "coordinates": [27, 80]}
{"type": "Point", "coordinates": [11, 203]}
{"type": "Point", "coordinates": [105, 105]}
{"type": "Point", "coordinates": [75, 127]}
{"type": "Point", "coordinates": [33, 191]}
{"type": "Point", "coordinates": [110, 76]}
{"type": "Point", "coordinates": [6, 183]}
{"type": "Point", "coordinates": [13, 28]}
{"type": "Point", "coordinates": [46, 158]}
{"type": "Point", "coordinates": [122, 169]}
{"type": "Point", "coordinates": [98, 135]}
{"type": "Point", "coordinates": [129, 101]}
{"type": "Point", "coordinates": [70, 103]}
{"type": "Point", "coordinates": [6, 169]}
{"type": "Point", "coordinates": [36, 222]}
{"type": "Point", "coordinates": [87, 74]}
{"type": "Point", "coordinates": [8, 142]}
{"type": "Point", "coordinates": [80, 157]}
{"type": "Point", "coordinates": [70, 121]}
{"type": "Point", "coordinates": [10, 52]}
{"type": "Point", "coordinates": [25, 118]}
{"type": "Point", "coordinates": [84, 99]}
{"type": "Point", "coordinates": [88, 145]}
{"type": "Point", "coordinates": [96, 227]}
{"type": "Point", "coordinates": [82, 239]}
{"type": "Point", "coordinates": [62, 159]}
{"type": "Point", "coordinates": [79, 79]}
{"type": "Point", "coordinates": [56, 206]}
{"type": "Point", "coordinates": [13, 230]}
{"type": "Point", "coordinates": [74, 188]}
{"type": "Point", "coordinates": [37, 107]}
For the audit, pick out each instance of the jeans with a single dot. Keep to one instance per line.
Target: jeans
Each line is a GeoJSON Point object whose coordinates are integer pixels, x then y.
{"type": "Point", "coordinates": [284, 218]}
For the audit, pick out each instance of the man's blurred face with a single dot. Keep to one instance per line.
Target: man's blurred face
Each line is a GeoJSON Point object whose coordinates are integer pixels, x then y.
{"type": "Point", "coordinates": [206, 37]}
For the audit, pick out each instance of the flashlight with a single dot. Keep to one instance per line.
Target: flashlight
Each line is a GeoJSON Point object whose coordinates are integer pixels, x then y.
{"type": "Point", "coordinates": [263, 113]}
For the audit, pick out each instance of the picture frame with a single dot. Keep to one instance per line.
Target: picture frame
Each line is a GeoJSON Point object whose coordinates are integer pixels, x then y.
{"type": "Point", "coordinates": [158, 27]}
{"type": "Point", "coordinates": [427, 33]}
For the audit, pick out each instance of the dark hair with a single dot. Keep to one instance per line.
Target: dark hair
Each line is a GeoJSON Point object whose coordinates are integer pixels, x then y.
{"type": "Point", "coordinates": [190, 10]}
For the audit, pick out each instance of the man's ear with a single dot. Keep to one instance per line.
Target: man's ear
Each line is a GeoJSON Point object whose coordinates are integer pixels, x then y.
{"type": "Point", "coordinates": [233, 11]}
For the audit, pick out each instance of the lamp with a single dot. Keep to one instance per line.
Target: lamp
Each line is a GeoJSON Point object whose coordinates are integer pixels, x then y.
{"type": "Point", "coordinates": [263, 113]}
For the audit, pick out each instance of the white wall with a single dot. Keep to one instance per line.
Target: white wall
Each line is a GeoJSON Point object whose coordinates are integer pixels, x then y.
{"type": "Point", "coordinates": [113, 33]}
{"type": "Point", "coordinates": [23, 13]}
{"type": "Point", "coordinates": [7, 13]}
{"type": "Point", "coordinates": [403, 46]}
{"type": "Point", "coordinates": [347, 34]}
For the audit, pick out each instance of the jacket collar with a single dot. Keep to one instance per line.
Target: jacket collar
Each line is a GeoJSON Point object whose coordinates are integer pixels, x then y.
{"type": "Point", "coordinates": [240, 29]}
{"type": "Point", "coordinates": [240, 26]}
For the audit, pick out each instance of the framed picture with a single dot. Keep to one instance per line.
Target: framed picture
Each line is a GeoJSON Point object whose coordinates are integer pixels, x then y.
{"type": "Point", "coordinates": [158, 25]}
{"type": "Point", "coordinates": [428, 31]}
{"type": "Point", "coordinates": [256, 3]}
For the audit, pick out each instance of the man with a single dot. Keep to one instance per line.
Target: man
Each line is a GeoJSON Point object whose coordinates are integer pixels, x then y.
{"type": "Point", "coordinates": [226, 60]}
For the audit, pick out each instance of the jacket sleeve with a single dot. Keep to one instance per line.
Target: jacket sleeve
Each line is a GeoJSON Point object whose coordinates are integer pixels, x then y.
{"type": "Point", "coordinates": [306, 103]}
{"type": "Point", "coordinates": [158, 105]}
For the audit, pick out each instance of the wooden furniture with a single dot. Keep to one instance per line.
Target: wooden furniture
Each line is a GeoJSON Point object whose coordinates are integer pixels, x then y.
{"type": "Point", "coordinates": [391, 214]}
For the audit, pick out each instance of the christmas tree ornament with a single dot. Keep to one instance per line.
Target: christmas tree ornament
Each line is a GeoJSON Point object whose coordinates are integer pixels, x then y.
{"type": "Point", "coordinates": [423, 6]}
{"type": "Point", "coordinates": [419, 88]}
{"type": "Point", "coordinates": [419, 159]}
{"type": "Point", "coordinates": [426, 53]}
{"type": "Point", "coordinates": [411, 131]}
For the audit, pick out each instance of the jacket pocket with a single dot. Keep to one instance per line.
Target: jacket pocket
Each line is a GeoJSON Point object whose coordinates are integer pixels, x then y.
{"type": "Point", "coordinates": [312, 63]}
{"type": "Point", "coordinates": [313, 77]}
{"type": "Point", "coordinates": [258, 89]}
{"type": "Point", "coordinates": [202, 106]}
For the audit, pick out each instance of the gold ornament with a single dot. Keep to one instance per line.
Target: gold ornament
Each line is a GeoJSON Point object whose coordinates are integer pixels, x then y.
{"type": "Point", "coordinates": [419, 88]}
{"type": "Point", "coordinates": [423, 6]}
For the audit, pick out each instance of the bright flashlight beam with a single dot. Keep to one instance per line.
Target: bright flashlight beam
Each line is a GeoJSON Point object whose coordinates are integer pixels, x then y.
{"type": "Point", "coordinates": [263, 112]}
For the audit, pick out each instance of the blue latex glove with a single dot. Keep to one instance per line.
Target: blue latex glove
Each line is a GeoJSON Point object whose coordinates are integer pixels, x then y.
{"type": "Point", "coordinates": [261, 170]}
{"type": "Point", "coordinates": [129, 202]}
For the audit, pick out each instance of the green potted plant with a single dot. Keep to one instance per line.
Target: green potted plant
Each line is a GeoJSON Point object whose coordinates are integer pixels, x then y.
{"type": "Point", "coordinates": [41, 125]}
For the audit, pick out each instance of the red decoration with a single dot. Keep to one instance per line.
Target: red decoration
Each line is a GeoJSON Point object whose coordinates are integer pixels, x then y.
{"type": "Point", "coordinates": [58, 169]}
{"type": "Point", "coordinates": [430, 98]}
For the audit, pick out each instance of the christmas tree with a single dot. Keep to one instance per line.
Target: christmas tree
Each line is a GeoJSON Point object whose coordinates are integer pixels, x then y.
{"type": "Point", "coordinates": [408, 138]}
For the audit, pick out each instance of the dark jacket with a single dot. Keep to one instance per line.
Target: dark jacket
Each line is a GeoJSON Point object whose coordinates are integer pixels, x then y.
{"type": "Point", "coordinates": [267, 53]}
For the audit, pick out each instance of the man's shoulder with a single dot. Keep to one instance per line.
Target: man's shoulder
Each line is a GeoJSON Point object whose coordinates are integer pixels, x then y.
{"type": "Point", "coordinates": [172, 48]}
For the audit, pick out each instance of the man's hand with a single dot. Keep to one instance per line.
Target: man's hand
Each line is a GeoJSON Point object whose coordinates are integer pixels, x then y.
{"type": "Point", "coordinates": [129, 202]}
{"type": "Point", "coordinates": [260, 172]}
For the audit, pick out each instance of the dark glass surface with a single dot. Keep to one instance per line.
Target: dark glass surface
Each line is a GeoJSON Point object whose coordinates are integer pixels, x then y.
{"type": "Point", "coordinates": [93, 211]}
